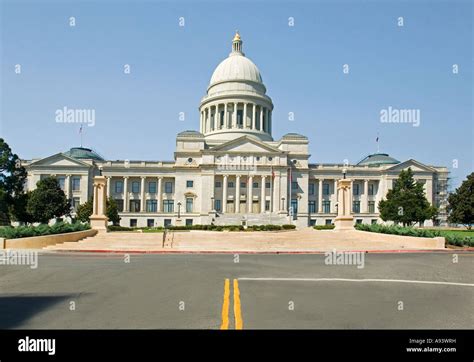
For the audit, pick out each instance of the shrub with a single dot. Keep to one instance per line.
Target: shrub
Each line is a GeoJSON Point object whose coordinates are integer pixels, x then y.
{"type": "Point", "coordinates": [323, 227]}
{"type": "Point", "coordinates": [10, 232]}
{"type": "Point", "coordinates": [119, 228]}
{"type": "Point", "coordinates": [288, 227]}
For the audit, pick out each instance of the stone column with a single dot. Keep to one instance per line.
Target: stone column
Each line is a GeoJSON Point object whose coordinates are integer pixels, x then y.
{"type": "Point", "coordinates": [335, 196]}
{"type": "Point", "coordinates": [244, 123]}
{"type": "Point", "coordinates": [159, 194]}
{"type": "Point", "coordinates": [266, 120]}
{"type": "Point", "coordinates": [67, 186]}
{"type": "Point", "coordinates": [98, 219]}
{"type": "Point", "coordinates": [224, 194]}
{"type": "Point", "coordinates": [261, 118]}
{"type": "Point", "coordinates": [237, 194]}
{"type": "Point", "coordinates": [109, 185]}
{"type": "Point", "coordinates": [253, 116]}
{"type": "Point", "coordinates": [276, 194]}
{"type": "Point", "coordinates": [320, 195]}
{"type": "Point", "coordinates": [234, 118]}
{"type": "Point", "coordinates": [365, 197]}
{"type": "Point", "coordinates": [344, 219]}
{"type": "Point", "coordinates": [126, 206]}
{"type": "Point", "coordinates": [226, 123]}
{"type": "Point", "coordinates": [142, 194]}
{"type": "Point", "coordinates": [249, 198]}
{"type": "Point", "coordinates": [262, 196]}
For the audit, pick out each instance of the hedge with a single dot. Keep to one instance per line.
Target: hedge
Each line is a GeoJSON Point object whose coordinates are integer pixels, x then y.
{"type": "Point", "coordinates": [268, 227]}
{"type": "Point", "coordinates": [10, 232]}
{"type": "Point", "coordinates": [422, 233]}
{"type": "Point", "coordinates": [323, 227]}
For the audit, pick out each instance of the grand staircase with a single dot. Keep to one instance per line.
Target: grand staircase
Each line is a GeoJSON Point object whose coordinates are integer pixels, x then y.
{"type": "Point", "coordinates": [251, 219]}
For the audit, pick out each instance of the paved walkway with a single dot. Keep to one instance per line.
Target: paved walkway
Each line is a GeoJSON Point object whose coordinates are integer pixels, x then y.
{"type": "Point", "coordinates": [305, 240]}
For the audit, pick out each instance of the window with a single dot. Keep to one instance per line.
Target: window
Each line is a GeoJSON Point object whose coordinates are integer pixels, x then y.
{"type": "Point", "coordinates": [134, 205]}
{"type": "Point", "coordinates": [76, 201]}
{"type": "Point", "coordinates": [76, 183]}
{"type": "Point", "coordinates": [311, 188]}
{"type": "Point", "coordinates": [167, 223]}
{"type": "Point", "coordinates": [118, 187]}
{"type": "Point", "coordinates": [358, 221]}
{"type": "Point", "coordinates": [255, 185]}
{"type": "Point", "coordinates": [133, 223]}
{"type": "Point", "coordinates": [328, 222]}
{"type": "Point", "coordinates": [189, 222]}
{"type": "Point", "coordinates": [152, 187]}
{"type": "Point", "coordinates": [240, 118]}
{"type": "Point", "coordinates": [119, 203]}
{"type": "Point", "coordinates": [312, 222]}
{"type": "Point", "coordinates": [294, 185]}
{"type": "Point", "coordinates": [312, 207]}
{"type": "Point", "coordinates": [371, 189]}
{"type": "Point", "coordinates": [151, 205]}
{"type": "Point", "coordinates": [267, 185]}
{"type": "Point", "coordinates": [373, 221]}
{"type": "Point", "coordinates": [135, 186]}
{"type": "Point", "coordinates": [243, 185]}
{"type": "Point", "coordinates": [168, 187]}
{"type": "Point", "coordinates": [189, 204]}
{"type": "Point", "coordinates": [325, 189]}
{"type": "Point", "coordinates": [217, 205]}
{"type": "Point", "coordinates": [150, 223]}
{"type": "Point", "coordinates": [356, 207]}
{"type": "Point", "coordinates": [294, 206]}
{"type": "Point", "coordinates": [267, 205]}
{"type": "Point", "coordinates": [168, 205]}
{"type": "Point", "coordinates": [371, 207]}
{"type": "Point", "coordinates": [61, 182]}
{"type": "Point", "coordinates": [230, 185]}
{"type": "Point", "coordinates": [189, 183]}
{"type": "Point", "coordinates": [356, 190]}
{"type": "Point", "coordinates": [218, 184]}
{"type": "Point", "coordinates": [326, 206]}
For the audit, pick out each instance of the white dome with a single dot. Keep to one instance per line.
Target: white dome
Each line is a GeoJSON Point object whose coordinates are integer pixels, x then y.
{"type": "Point", "coordinates": [236, 68]}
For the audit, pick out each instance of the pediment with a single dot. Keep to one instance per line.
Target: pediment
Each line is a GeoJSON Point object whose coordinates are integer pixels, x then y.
{"type": "Point", "coordinates": [58, 160]}
{"type": "Point", "coordinates": [246, 144]}
{"type": "Point", "coordinates": [413, 164]}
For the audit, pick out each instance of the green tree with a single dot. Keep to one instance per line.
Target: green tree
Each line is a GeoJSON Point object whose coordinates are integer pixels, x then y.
{"type": "Point", "coordinates": [406, 202]}
{"type": "Point", "coordinates": [461, 203]}
{"type": "Point", "coordinates": [18, 210]}
{"type": "Point", "coordinates": [12, 179]}
{"type": "Point", "coordinates": [84, 211]}
{"type": "Point", "coordinates": [47, 201]}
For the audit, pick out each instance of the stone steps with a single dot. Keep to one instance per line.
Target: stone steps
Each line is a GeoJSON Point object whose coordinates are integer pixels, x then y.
{"type": "Point", "coordinates": [251, 219]}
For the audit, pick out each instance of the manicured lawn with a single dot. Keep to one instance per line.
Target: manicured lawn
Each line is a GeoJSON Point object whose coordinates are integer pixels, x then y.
{"type": "Point", "coordinates": [461, 233]}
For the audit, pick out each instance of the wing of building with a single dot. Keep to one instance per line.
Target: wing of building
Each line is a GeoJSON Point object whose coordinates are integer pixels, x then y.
{"type": "Point", "coordinates": [232, 170]}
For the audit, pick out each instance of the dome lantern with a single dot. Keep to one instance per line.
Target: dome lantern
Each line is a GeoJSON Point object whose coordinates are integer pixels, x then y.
{"type": "Point", "coordinates": [237, 44]}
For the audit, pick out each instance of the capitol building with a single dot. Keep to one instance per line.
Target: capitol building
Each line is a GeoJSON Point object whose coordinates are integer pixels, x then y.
{"type": "Point", "coordinates": [232, 170]}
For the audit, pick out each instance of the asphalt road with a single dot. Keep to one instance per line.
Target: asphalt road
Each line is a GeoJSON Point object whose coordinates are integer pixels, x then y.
{"type": "Point", "coordinates": [189, 291]}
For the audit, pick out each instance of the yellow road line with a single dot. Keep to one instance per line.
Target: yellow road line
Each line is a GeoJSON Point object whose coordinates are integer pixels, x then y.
{"type": "Point", "coordinates": [237, 308]}
{"type": "Point", "coordinates": [225, 305]}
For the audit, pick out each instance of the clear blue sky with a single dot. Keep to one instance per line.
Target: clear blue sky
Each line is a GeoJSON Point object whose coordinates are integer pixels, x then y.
{"type": "Point", "coordinates": [137, 114]}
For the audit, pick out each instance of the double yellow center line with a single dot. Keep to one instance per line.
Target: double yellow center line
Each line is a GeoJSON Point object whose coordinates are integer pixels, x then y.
{"type": "Point", "coordinates": [226, 306]}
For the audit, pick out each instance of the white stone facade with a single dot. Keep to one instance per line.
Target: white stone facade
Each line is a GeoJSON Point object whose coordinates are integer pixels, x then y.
{"type": "Point", "coordinates": [232, 171]}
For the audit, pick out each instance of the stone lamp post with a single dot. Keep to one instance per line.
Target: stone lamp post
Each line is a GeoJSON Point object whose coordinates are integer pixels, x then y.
{"type": "Point", "coordinates": [344, 219]}
{"type": "Point", "coordinates": [98, 219]}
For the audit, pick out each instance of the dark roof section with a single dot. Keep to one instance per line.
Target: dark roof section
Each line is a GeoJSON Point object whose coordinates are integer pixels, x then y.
{"type": "Point", "coordinates": [293, 136]}
{"type": "Point", "coordinates": [82, 153]}
{"type": "Point", "coordinates": [378, 159]}
{"type": "Point", "coordinates": [190, 133]}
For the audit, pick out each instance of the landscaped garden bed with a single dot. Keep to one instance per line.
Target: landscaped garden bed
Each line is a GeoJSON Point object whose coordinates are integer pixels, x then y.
{"type": "Point", "coordinates": [205, 227]}
{"type": "Point", "coordinates": [10, 232]}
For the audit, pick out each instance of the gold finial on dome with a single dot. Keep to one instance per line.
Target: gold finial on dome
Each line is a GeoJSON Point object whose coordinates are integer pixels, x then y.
{"type": "Point", "coordinates": [237, 44]}
{"type": "Point", "coordinates": [236, 36]}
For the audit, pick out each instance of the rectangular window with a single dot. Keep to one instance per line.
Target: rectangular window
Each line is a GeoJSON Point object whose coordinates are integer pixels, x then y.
{"type": "Point", "coordinates": [311, 188]}
{"type": "Point", "coordinates": [358, 221]}
{"type": "Point", "coordinates": [371, 207]}
{"type": "Point", "coordinates": [150, 223]}
{"type": "Point", "coordinates": [267, 185]}
{"type": "Point", "coordinates": [230, 185]}
{"type": "Point", "coordinates": [328, 222]}
{"type": "Point", "coordinates": [133, 223]}
{"type": "Point", "coordinates": [168, 205]}
{"type": "Point", "coordinates": [325, 188]}
{"type": "Point", "coordinates": [240, 117]}
{"type": "Point", "coordinates": [294, 206]}
{"type": "Point", "coordinates": [76, 184]}
{"type": "Point", "coordinates": [218, 184]}
{"type": "Point", "coordinates": [119, 203]}
{"type": "Point", "coordinates": [255, 185]}
{"type": "Point", "coordinates": [151, 205]}
{"type": "Point", "coordinates": [189, 183]}
{"type": "Point", "coordinates": [294, 185]}
{"type": "Point", "coordinates": [152, 187]}
{"type": "Point", "coordinates": [61, 182]}
{"type": "Point", "coordinates": [168, 187]}
{"type": "Point", "coordinates": [189, 222]}
{"type": "Point", "coordinates": [135, 186]}
{"type": "Point", "coordinates": [167, 223]}
{"type": "Point", "coordinates": [217, 205]}
{"type": "Point", "coordinates": [373, 221]}
{"type": "Point", "coordinates": [267, 205]}
{"type": "Point", "coordinates": [356, 190]}
{"type": "Point", "coordinates": [326, 206]}
{"type": "Point", "coordinates": [118, 187]}
{"type": "Point", "coordinates": [312, 222]}
{"type": "Point", "coordinates": [312, 207]}
{"type": "Point", "coordinates": [134, 205]}
{"type": "Point", "coordinates": [189, 204]}
{"type": "Point", "coordinates": [371, 189]}
{"type": "Point", "coordinates": [356, 207]}
{"type": "Point", "coordinates": [243, 185]}
{"type": "Point", "coordinates": [76, 201]}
